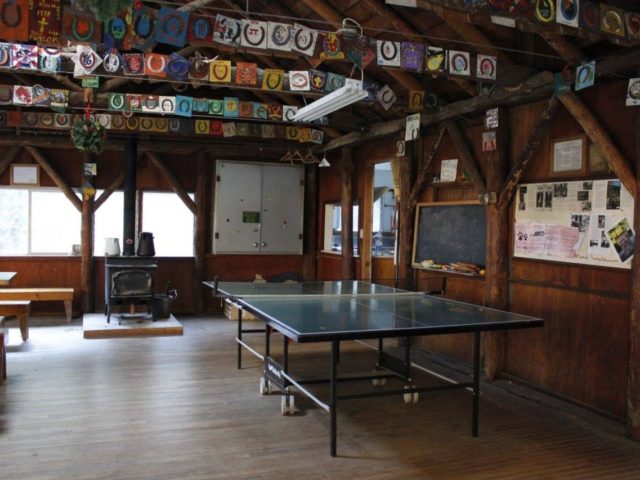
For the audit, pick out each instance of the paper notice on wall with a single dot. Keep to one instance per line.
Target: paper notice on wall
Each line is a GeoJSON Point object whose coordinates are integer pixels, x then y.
{"type": "Point", "coordinates": [544, 197]}
{"type": "Point", "coordinates": [560, 241]}
{"type": "Point", "coordinates": [623, 239]}
{"type": "Point", "coordinates": [599, 243]}
{"type": "Point", "coordinates": [449, 170]}
{"type": "Point", "coordinates": [530, 238]}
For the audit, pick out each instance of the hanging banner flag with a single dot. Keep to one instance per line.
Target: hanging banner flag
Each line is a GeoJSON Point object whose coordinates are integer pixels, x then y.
{"type": "Point", "coordinates": [412, 128]}
{"type": "Point", "coordinates": [521, 8]}
{"type": "Point", "coordinates": [143, 31]}
{"type": "Point", "coordinates": [229, 129]}
{"type": "Point", "coordinates": [299, 81]}
{"type": "Point", "coordinates": [49, 60]}
{"type": "Point", "coordinates": [416, 100]}
{"type": "Point", "coordinates": [304, 135]}
{"type": "Point", "coordinates": [260, 110]}
{"type": "Point", "coordinates": [231, 105]}
{"type": "Point", "coordinates": [275, 111]}
{"type": "Point", "coordinates": [318, 80]}
{"type": "Point", "coordinates": [254, 34]}
{"type": "Point", "coordinates": [200, 29]}
{"type": "Point", "coordinates": [116, 101]}
{"type": "Point", "coordinates": [220, 71]}
{"type": "Point", "coordinates": [568, 12]}
{"type": "Point", "coordinates": [24, 56]}
{"type": "Point", "coordinates": [184, 106]}
{"type": "Point", "coordinates": [412, 55]}
{"type": "Point", "coordinates": [199, 71]}
{"type": "Point", "coordinates": [561, 84]}
{"type": "Point", "coordinates": [386, 97]}
{"type": "Point", "coordinates": [202, 127]}
{"type": "Point", "coordinates": [5, 55]}
{"type": "Point", "coordinates": [359, 50]}
{"type": "Point", "coordinates": [611, 20]}
{"type": "Point", "coordinates": [200, 105]}
{"type": "Point", "coordinates": [177, 67]}
{"type": "Point", "coordinates": [436, 61]}
{"type": "Point", "coordinates": [331, 47]}
{"type": "Point", "coordinates": [22, 95]}
{"type": "Point", "coordinates": [41, 96]}
{"type": "Point", "coordinates": [544, 10]}
{"type": "Point", "coordinates": [633, 92]}
{"type": "Point", "coordinates": [87, 61]}
{"type": "Point", "coordinates": [167, 104]}
{"type": "Point", "coordinates": [486, 67]}
{"type": "Point", "coordinates": [112, 61]}
{"type": "Point", "coordinates": [288, 112]}
{"type": "Point", "coordinates": [388, 53]}
{"type": "Point", "coordinates": [80, 27]}
{"type": "Point", "coordinates": [242, 129]}
{"type": "Point", "coordinates": [292, 133]}
{"type": "Point", "coordinates": [155, 65]}
{"type": "Point", "coordinates": [133, 102]}
{"type": "Point", "coordinates": [279, 36]}
{"type": "Point", "coordinates": [133, 64]}
{"type": "Point", "coordinates": [303, 40]}
{"type": "Point", "coordinates": [172, 27]}
{"type": "Point", "coordinates": [272, 79]}
{"type": "Point", "coordinates": [585, 75]}
{"type": "Point", "coordinates": [216, 107]}
{"type": "Point", "coordinates": [227, 31]}
{"type": "Point", "coordinates": [246, 74]}
{"type": "Point", "coordinates": [590, 15]}
{"type": "Point", "coordinates": [268, 131]}
{"type": "Point", "coordinates": [317, 136]}
{"type": "Point", "coordinates": [14, 20]}
{"type": "Point", "coordinates": [117, 31]}
{"type": "Point", "coordinates": [633, 24]}
{"type": "Point", "coordinates": [6, 94]}
{"type": "Point", "coordinates": [217, 129]}
{"type": "Point", "coordinates": [459, 63]}
{"type": "Point", "coordinates": [151, 104]}
{"type": "Point", "coordinates": [45, 21]}
{"type": "Point", "coordinates": [245, 109]}
{"type": "Point", "coordinates": [334, 82]}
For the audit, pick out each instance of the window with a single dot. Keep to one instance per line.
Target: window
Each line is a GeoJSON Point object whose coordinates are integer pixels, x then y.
{"type": "Point", "coordinates": [383, 219]}
{"type": "Point", "coordinates": [171, 223]}
{"type": "Point", "coordinates": [108, 222]}
{"type": "Point", "coordinates": [37, 221]}
{"type": "Point", "coordinates": [333, 228]}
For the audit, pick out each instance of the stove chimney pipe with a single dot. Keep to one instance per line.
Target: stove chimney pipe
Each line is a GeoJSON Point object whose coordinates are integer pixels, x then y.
{"type": "Point", "coordinates": [129, 224]}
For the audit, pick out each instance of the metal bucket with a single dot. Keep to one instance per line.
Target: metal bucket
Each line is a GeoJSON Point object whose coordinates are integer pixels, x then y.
{"type": "Point", "coordinates": [161, 304]}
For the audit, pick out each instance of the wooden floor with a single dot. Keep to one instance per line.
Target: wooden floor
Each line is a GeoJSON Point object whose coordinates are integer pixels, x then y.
{"type": "Point", "coordinates": [176, 408]}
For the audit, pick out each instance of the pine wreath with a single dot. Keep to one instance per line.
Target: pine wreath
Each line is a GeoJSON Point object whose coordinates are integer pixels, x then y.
{"type": "Point", "coordinates": [104, 10]}
{"type": "Point", "coordinates": [88, 135]}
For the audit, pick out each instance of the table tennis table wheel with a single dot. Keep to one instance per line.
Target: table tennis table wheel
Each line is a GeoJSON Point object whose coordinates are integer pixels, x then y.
{"type": "Point", "coordinates": [378, 382]}
{"type": "Point", "coordinates": [288, 405]}
{"type": "Point", "coordinates": [265, 386]}
{"type": "Point", "coordinates": [412, 397]}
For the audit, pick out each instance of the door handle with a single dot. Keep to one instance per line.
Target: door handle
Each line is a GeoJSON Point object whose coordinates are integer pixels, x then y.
{"type": "Point", "coordinates": [255, 244]}
{"type": "Point", "coordinates": [263, 244]}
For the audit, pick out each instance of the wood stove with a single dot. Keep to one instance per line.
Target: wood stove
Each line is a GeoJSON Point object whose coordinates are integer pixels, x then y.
{"type": "Point", "coordinates": [129, 281]}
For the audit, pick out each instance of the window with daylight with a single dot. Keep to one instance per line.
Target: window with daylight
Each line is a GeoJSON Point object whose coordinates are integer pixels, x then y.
{"type": "Point", "coordinates": [108, 221]}
{"type": "Point", "coordinates": [166, 216]}
{"type": "Point", "coordinates": [333, 228]}
{"type": "Point", "coordinates": [38, 221]}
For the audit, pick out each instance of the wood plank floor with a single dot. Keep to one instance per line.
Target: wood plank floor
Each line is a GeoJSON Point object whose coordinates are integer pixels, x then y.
{"type": "Point", "coordinates": [177, 408]}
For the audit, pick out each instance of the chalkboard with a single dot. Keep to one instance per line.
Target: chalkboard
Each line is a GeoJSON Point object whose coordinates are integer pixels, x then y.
{"type": "Point", "coordinates": [450, 233]}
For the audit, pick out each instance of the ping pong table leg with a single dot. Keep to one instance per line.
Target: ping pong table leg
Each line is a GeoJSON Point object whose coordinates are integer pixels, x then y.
{"type": "Point", "coordinates": [333, 404]}
{"type": "Point", "coordinates": [239, 338]}
{"type": "Point", "coordinates": [476, 384]}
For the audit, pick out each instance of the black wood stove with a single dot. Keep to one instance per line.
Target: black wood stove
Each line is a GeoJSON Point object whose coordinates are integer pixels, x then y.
{"type": "Point", "coordinates": [129, 281]}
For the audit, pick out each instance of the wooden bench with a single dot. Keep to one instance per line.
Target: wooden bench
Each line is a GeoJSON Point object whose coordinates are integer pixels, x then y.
{"type": "Point", "coordinates": [40, 294]}
{"type": "Point", "coordinates": [19, 309]}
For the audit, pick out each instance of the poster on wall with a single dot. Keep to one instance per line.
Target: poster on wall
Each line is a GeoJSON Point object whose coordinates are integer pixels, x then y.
{"type": "Point", "coordinates": [588, 222]}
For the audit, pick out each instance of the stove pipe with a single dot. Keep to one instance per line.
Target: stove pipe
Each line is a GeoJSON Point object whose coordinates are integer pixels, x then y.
{"type": "Point", "coordinates": [129, 224]}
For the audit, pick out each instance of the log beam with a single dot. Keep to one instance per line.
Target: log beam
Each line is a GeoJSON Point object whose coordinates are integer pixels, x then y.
{"type": "Point", "coordinates": [200, 234]}
{"type": "Point", "coordinates": [87, 229]}
{"type": "Point", "coordinates": [466, 156]}
{"type": "Point", "coordinates": [57, 179]}
{"type": "Point", "coordinates": [309, 262]}
{"type": "Point", "coordinates": [598, 135]}
{"type": "Point", "coordinates": [406, 216]}
{"type": "Point", "coordinates": [112, 187]}
{"type": "Point", "coordinates": [174, 183]}
{"type": "Point", "coordinates": [528, 153]}
{"type": "Point", "coordinates": [422, 178]}
{"type": "Point", "coordinates": [9, 156]}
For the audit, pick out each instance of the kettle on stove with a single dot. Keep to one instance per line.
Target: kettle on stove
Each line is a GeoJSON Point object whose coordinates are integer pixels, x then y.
{"type": "Point", "coordinates": [145, 245]}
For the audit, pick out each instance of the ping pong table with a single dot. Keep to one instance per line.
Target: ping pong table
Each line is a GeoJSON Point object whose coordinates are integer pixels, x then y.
{"type": "Point", "coordinates": [353, 310]}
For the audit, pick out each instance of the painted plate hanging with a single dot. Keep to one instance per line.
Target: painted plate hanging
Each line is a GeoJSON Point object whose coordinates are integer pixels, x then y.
{"type": "Point", "coordinates": [246, 73]}
{"type": "Point", "coordinates": [544, 10]}
{"type": "Point", "coordinates": [567, 12]}
{"type": "Point", "coordinates": [155, 65]}
{"type": "Point", "coordinates": [143, 30]}
{"type": "Point", "coordinates": [172, 27]}
{"type": "Point", "coordinates": [611, 20]}
{"type": "Point", "coordinates": [299, 81]}
{"type": "Point", "coordinates": [388, 53]}
{"type": "Point", "coordinates": [590, 15]}
{"type": "Point", "coordinates": [459, 63]}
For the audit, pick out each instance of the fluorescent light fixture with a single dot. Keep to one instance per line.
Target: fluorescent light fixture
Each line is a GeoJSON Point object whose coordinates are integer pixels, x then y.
{"type": "Point", "coordinates": [324, 162]}
{"type": "Point", "coordinates": [350, 93]}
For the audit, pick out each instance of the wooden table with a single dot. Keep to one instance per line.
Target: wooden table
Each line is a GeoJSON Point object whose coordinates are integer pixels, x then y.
{"type": "Point", "coordinates": [5, 278]}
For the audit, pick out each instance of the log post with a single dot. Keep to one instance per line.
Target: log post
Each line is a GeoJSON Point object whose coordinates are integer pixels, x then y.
{"type": "Point", "coordinates": [87, 290]}
{"type": "Point", "coordinates": [310, 233]}
{"type": "Point", "coordinates": [200, 230]}
{"type": "Point", "coordinates": [405, 216]}
{"type": "Point", "coordinates": [633, 382]}
{"type": "Point", "coordinates": [496, 283]}
{"type": "Point", "coordinates": [346, 201]}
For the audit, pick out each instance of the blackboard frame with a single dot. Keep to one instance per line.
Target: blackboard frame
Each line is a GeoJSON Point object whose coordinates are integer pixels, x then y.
{"type": "Point", "coordinates": [416, 230]}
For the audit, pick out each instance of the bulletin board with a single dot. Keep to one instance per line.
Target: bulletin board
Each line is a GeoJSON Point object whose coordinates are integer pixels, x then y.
{"type": "Point", "coordinates": [587, 222]}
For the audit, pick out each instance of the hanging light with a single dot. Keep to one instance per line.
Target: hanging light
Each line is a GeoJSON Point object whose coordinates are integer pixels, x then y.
{"type": "Point", "coordinates": [324, 162]}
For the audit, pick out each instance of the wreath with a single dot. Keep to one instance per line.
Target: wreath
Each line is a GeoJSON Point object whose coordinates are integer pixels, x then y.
{"type": "Point", "coordinates": [88, 135]}
{"type": "Point", "coordinates": [104, 10]}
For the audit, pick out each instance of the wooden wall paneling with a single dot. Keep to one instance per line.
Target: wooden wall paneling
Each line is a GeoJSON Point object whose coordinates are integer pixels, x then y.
{"type": "Point", "coordinates": [8, 157]}
{"type": "Point", "coordinates": [496, 285]}
{"type": "Point", "coordinates": [346, 201]}
{"type": "Point", "coordinates": [383, 271]}
{"type": "Point", "coordinates": [311, 209]}
{"type": "Point", "coordinates": [200, 230]}
{"type": "Point", "coordinates": [87, 291]}
{"type": "Point", "coordinates": [633, 381]}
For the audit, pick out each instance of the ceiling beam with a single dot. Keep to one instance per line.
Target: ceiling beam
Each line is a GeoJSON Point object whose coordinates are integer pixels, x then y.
{"type": "Point", "coordinates": [57, 179]}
